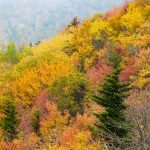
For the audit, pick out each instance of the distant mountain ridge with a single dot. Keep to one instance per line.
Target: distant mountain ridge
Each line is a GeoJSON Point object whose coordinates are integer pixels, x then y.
{"type": "Point", "coordinates": [33, 20]}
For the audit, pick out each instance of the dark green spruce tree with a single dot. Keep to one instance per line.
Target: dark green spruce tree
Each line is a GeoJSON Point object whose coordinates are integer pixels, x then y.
{"type": "Point", "coordinates": [9, 123]}
{"type": "Point", "coordinates": [112, 122]}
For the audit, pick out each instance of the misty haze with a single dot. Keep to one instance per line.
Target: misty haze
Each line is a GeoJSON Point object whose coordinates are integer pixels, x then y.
{"type": "Point", "coordinates": [33, 20]}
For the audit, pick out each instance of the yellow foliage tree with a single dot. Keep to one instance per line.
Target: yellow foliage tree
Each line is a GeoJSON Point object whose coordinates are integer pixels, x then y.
{"type": "Point", "coordinates": [129, 21]}
{"type": "Point", "coordinates": [141, 78]}
{"type": "Point", "coordinates": [54, 124]}
{"type": "Point", "coordinates": [29, 84]}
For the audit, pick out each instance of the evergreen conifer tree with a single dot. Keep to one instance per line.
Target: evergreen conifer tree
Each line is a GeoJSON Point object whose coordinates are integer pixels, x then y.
{"type": "Point", "coordinates": [112, 121]}
{"type": "Point", "coordinates": [75, 22]}
{"type": "Point", "coordinates": [9, 122]}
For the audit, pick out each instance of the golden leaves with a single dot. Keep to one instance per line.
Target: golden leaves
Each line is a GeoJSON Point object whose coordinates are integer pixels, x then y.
{"type": "Point", "coordinates": [28, 85]}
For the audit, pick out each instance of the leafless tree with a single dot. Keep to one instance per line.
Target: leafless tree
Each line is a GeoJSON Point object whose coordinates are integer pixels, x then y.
{"type": "Point", "coordinates": [138, 114]}
{"type": "Point", "coordinates": [139, 117]}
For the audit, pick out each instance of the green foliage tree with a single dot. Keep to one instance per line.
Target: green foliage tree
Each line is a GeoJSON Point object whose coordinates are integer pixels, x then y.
{"type": "Point", "coordinates": [70, 92]}
{"type": "Point", "coordinates": [36, 121]}
{"type": "Point", "coordinates": [11, 53]}
{"type": "Point", "coordinates": [1, 55]}
{"type": "Point", "coordinates": [25, 52]}
{"type": "Point", "coordinates": [10, 121]}
{"type": "Point", "coordinates": [112, 121]}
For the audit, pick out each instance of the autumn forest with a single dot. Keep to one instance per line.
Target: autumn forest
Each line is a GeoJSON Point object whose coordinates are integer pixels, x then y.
{"type": "Point", "coordinates": [86, 88]}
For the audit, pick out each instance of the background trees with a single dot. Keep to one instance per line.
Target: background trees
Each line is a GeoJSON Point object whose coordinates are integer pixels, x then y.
{"type": "Point", "coordinates": [33, 21]}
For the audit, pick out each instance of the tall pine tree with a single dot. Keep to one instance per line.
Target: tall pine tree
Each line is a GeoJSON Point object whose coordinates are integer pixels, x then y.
{"type": "Point", "coordinates": [112, 121]}
{"type": "Point", "coordinates": [9, 122]}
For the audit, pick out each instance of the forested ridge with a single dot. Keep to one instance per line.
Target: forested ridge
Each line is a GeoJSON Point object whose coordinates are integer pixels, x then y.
{"type": "Point", "coordinates": [87, 88]}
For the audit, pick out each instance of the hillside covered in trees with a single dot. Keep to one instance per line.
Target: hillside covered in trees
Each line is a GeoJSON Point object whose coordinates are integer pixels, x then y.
{"type": "Point", "coordinates": [87, 88]}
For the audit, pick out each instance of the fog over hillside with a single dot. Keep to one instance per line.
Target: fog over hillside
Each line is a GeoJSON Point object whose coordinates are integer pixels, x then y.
{"type": "Point", "coordinates": [32, 20]}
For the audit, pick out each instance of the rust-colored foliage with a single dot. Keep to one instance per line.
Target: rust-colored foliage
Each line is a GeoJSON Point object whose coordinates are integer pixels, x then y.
{"type": "Point", "coordinates": [97, 74]}
{"type": "Point", "coordinates": [80, 126]}
{"type": "Point", "coordinates": [128, 71]}
{"type": "Point", "coordinates": [41, 103]}
{"type": "Point", "coordinates": [54, 123]}
{"type": "Point", "coordinates": [115, 11]}
{"type": "Point", "coordinates": [25, 123]}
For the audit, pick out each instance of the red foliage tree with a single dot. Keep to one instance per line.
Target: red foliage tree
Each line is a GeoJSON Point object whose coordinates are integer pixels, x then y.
{"type": "Point", "coordinates": [25, 124]}
{"type": "Point", "coordinates": [127, 71]}
{"type": "Point", "coordinates": [97, 73]}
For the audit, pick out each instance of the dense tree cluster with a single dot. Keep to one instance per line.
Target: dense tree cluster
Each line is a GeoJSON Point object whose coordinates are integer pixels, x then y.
{"type": "Point", "coordinates": [47, 90]}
